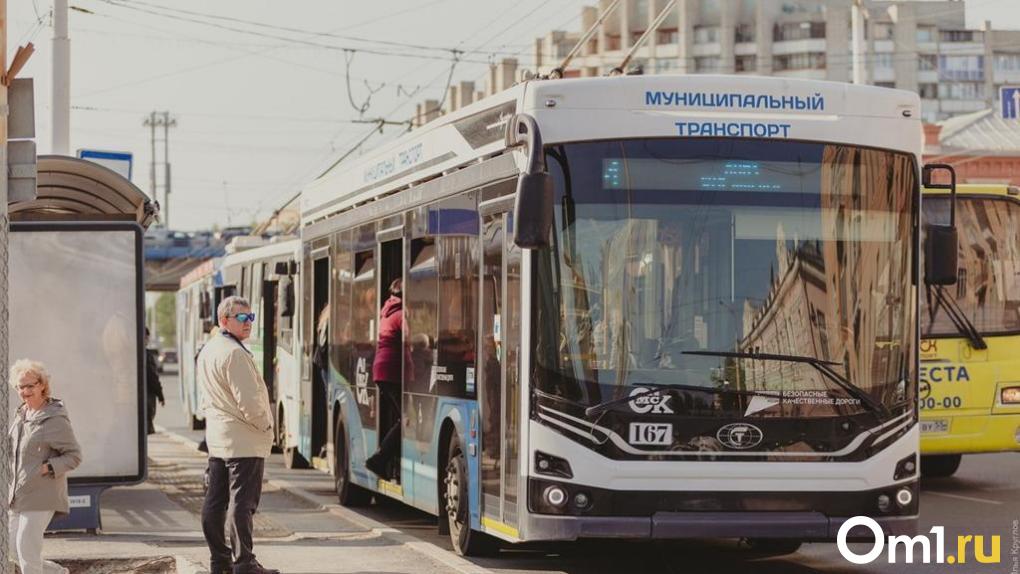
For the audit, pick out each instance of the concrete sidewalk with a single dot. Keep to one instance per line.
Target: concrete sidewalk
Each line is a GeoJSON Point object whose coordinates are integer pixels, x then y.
{"type": "Point", "coordinates": [297, 529]}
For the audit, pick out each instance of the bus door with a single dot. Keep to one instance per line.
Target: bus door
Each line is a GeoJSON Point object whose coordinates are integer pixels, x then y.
{"type": "Point", "coordinates": [391, 397]}
{"type": "Point", "coordinates": [320, 356]}
{"type": "Point", "coordinates": [267, 315]}
{"type": "Point", "coordinates": [499, 387]}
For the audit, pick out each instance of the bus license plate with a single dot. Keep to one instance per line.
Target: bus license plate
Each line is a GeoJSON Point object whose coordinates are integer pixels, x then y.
{"type": "Point", "coordinates": [660, 434]}
{"type": "Point", "coordinates": [934, 427]}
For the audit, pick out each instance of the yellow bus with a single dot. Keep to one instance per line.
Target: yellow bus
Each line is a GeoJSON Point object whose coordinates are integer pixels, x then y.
{"type": "Point", "coordinates": [969, 391]}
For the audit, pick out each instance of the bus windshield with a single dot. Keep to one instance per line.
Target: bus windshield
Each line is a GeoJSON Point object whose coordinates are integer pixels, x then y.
{"type": "Point", "coordinates": [735, 248]}
{"type": "Point", "coordinates": [988, 280]}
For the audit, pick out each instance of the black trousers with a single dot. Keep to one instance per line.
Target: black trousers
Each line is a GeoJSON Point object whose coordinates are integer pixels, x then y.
{"type": "Point", "coordinates": [234, 487]}
{"type": "Point", "coordinates": [150, 410]}
{"type": "Point", "coordinates": [389, 425]}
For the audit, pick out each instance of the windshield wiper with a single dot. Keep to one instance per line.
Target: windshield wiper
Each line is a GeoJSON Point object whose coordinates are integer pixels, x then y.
{"type": "Point", "coordinates": [820, 365]}
{"type": "Point", "coordinates": [956, 315]}
{"type": "Point", "coordinates": [604, 406]}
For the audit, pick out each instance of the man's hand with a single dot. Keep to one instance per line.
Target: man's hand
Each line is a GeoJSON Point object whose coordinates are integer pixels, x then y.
{"type": "Point", "coordinates": [162, 402]}
{"type": "Point", "coordinates": [45, 469]}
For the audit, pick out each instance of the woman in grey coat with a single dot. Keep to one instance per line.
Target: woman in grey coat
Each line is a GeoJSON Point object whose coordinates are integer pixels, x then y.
{"type": "Point", "coordinates": [44, 450]}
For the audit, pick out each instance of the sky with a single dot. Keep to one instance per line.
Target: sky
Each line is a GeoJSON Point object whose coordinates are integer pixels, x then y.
{"type": "Point", "coordinates": [259, 88]}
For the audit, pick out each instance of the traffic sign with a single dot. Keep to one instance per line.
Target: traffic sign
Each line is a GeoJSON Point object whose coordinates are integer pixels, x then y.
{"type": "Point", "coordinates": [1010, 96]}
{"type": "Point", "coordinates": [118, 161]}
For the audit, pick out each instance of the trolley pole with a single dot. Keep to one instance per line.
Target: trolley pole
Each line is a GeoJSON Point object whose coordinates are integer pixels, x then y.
{"type": "Point", "coordinates": [5, 451]}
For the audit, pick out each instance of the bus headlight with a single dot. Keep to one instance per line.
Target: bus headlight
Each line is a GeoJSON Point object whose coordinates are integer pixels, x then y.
{"type": "Point", "coordinates": [904, 497]}
{"type": "Point", "coordinates": [582, 500]}
{"type": "Point", "coordinates": [884, 502]}
{"type": "Point", "coordinates": [1010, 395]}
{"type": "Point", "coordinates": [906, 467]}
{"type": "Point", "coordinates": [555, 496]}
{"type": "Point", "coordinates": [552, 465]}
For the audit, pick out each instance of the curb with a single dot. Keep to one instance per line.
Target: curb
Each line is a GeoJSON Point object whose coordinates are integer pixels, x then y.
{"type": "Point", "coordinates": [444, 557]}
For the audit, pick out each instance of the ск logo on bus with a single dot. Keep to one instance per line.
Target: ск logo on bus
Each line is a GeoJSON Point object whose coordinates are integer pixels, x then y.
{"type": "Point", "coordinates": [649, 402]}
{"type": "Point", "coordinates": [740, 436]}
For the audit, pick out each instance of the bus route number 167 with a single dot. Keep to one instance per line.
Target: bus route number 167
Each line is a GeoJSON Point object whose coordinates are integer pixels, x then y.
{"type": "Point", "coordinates": [660, 434]}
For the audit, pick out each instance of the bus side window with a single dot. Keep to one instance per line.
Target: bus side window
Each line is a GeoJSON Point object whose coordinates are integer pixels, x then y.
{"type": "Point", "coordinates": [421, 295]}
{"type": "Point", "coordinates": [458, 260]}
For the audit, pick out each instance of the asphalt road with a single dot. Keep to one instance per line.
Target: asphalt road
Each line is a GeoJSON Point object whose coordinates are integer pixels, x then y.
{"type": "Point", "coordinates": [983, 498]}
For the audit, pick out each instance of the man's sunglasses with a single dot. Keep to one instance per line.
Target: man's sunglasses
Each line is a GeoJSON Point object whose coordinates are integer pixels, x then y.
{"type": "Point", "coordinates": [245, 317]}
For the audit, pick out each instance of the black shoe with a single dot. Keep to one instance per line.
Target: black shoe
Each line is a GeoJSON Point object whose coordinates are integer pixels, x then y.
{"type": "Point", "coordinates": [377, 464]}
{"type": "Point", "coordinates": [254, 568]}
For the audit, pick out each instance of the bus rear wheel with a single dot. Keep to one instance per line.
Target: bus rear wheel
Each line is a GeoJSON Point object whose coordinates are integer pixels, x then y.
{"type": "Point", "coordinates": [466, 542]}
{"type": "Point", "coordinates": [940, 466]}
{"type": "Point", "coordinates": [767, 547]}
{"type": "Point", "coordinates": [347, 493]}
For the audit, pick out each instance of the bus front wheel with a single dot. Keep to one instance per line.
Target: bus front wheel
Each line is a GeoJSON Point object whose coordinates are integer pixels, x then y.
{"type": "Point", "coordinates": [940, 466]}
{"type": "Point", "coordinates": [348, 494]}
{"type": "Point", "coordinates": [466, 542]}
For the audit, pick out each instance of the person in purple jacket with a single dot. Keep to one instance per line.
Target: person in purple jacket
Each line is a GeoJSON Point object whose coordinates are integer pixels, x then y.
{"type": "Point", "coordinates": [386, 372]}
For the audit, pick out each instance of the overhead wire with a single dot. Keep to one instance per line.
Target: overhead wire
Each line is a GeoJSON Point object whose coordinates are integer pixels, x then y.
{"type": "Point", "coordinates": [335, 47]}
{"type": "Point", "coordinates": [449, 77]}
{"type": "Point", "coordinates": [292, 29]}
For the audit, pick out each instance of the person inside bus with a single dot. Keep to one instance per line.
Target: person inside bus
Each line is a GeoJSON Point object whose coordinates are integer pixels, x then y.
{"type": "Point", "coordinates": [386, 372]}
{"type": "Point", "coordinates": [320, 362]}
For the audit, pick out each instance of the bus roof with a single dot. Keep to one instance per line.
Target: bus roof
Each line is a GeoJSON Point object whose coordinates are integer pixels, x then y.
{"type": "Point", "coordinates": [201, 271]}
{"type": "Point", "coordinates": [283, 246]}
{"type": "Point", "coordinates": [584, 109]}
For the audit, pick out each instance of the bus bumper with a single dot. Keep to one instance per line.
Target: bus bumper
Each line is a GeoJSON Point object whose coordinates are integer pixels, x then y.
{"type": "Point", "coordinates": [973, 434]}
{"type": "Point", "coordinates": [807, 526]}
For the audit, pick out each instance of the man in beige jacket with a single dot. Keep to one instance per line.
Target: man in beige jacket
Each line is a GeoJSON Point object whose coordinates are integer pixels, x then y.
{"type": "Point", "coordinates": [239, 432]}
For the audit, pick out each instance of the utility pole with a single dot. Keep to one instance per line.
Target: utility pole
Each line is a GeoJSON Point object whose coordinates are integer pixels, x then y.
{"type": "Point", "coordinates": [5, 445]}
{"type": "Point", "coordinates": [151, 123]}
{"type": "Point", "coordinates": [857, 16]}
{"type": "Point", "coordinates": [155, 120]}
{"type": "Point", "coordinates": [168, 123]}
{"type": "Point", "coordinates": [61, 80]}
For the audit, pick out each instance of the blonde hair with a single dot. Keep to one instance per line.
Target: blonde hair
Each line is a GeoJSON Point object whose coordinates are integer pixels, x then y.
{"type": "Point", "coordinates": [228, 305]}
{"type": "Point", "coordinates": [23, 367]}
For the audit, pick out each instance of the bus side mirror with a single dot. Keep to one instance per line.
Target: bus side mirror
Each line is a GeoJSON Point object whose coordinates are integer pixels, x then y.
{"type": "Point", "coordinates": [205, 310]}
{"type": "Point", "coordinates": [941, 243]}
{"type": "Point", "coordinates": [285, 296]}
{"type": "Point", "coordinates": [533, 213]}
{"type": "Point", "coordinates": [940, 255]}
{"type": "Point", "coordinates": [282, 268]}
{"type": "Point", "coordinates": [533, 209]}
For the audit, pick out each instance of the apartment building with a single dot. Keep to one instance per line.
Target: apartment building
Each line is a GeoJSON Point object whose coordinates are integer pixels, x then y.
{"type": "Point", "coordinates": [919, 45]}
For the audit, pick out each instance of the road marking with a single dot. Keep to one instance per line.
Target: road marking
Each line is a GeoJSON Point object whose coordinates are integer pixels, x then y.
{"type": "Point", "coordinates": [957, 496]}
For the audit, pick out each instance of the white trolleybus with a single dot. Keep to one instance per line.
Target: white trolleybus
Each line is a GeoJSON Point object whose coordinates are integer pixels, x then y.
{"type": "Point", "coordinates": [197, 298]}
{"type": "Point", "coordinates": [641, 307]}
{"type": "Point", "coordinates": [265, 275]}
